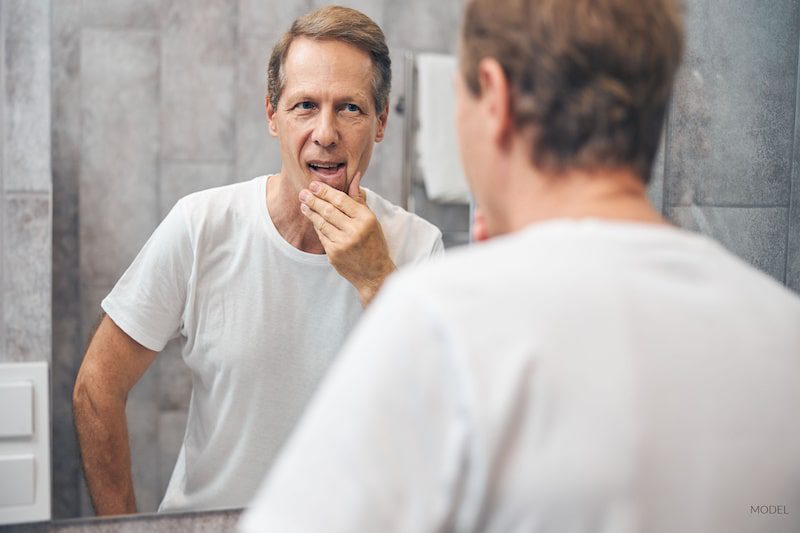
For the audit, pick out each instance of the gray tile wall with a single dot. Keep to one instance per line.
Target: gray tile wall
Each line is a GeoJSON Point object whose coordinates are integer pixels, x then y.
{"type": "Point", "coordinates": [730, 142]}
{"type": "Point", "coordinates": [25, 181]}
{"type": "Point", "coordinates": [153, 99]}
{"type": "Point", "coordinates": [67, 334]}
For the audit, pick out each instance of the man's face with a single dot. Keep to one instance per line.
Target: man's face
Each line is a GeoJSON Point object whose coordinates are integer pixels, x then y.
{"type": "Point", "coordinates": [326, 119]}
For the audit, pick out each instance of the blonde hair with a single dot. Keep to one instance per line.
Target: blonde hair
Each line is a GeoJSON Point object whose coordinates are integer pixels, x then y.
{"type": "Point", "coordinates": [335, 23]}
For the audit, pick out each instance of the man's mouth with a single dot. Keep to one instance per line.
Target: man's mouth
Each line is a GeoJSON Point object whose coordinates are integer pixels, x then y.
{"type": "Point", "coordinates": [328, 169]}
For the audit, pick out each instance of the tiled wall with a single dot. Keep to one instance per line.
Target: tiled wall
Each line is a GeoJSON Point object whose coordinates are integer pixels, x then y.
{"type": "Point", "coordinates": [152, 99]}
{"type": "Point", "coordinates": [731, 142]}
{"type": "Point", "coordinates": [25, 181]}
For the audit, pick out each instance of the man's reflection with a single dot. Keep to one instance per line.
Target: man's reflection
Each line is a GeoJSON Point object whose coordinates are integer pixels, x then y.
{"type": "Point", "coordinates": [261, 280]}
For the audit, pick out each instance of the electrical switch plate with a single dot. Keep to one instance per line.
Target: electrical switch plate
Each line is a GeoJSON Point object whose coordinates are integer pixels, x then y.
{"type": "Point", "coordinates": [16, 408]}
{"type": "Point", "coordinates": [24, 442]}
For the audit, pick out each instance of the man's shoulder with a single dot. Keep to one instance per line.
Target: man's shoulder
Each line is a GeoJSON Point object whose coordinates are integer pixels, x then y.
{"type": "Point", "coordinates": [220, 205]}
{"type": "Point", "coordinates": [222, 195]}
{"type": "Point", "coordinates": [216, 212]}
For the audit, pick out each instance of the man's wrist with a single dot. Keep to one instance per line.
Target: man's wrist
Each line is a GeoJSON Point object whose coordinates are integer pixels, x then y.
{"type": "Point", "coordinates": [368, 290]}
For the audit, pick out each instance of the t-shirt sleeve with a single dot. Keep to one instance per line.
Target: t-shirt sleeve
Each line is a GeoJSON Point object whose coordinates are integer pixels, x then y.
{"type": "Point", "coordinates": [149, 299]}
{"type": "Point", "coordinates": [382, 445]}
{"type": "Point", "coordinates": [428, 244]}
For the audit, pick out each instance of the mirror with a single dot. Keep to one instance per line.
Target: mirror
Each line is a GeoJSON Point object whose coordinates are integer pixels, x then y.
{"type": "Point", "coordinates": [152, 100]}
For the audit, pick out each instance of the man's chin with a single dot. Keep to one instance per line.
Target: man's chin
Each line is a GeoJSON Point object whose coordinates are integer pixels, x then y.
{"type": "Point", "coordinates": [337, 180]}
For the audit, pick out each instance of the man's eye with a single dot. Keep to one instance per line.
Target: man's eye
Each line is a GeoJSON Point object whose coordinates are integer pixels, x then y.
{"type": "Point", "coordinates": [352, 108]}
{"type": "Point", "coordinates": [306, 106]}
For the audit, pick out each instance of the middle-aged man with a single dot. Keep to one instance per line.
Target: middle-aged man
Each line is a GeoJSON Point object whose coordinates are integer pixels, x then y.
{"type": "Point", "coordinates": [591, 368]}
{"type": "Point", "coordinates": [262, 280]}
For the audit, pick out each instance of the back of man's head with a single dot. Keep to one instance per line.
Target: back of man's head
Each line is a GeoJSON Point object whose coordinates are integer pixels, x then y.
{"type": "Point", "coordinates": [335, 23]}
{"type": "Point", "coordinates": [590, 79]}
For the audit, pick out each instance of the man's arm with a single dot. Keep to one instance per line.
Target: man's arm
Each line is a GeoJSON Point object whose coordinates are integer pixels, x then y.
{"type": "Point", "coordinates": [113, 364]}
{"type": "Point", "coordinates": [351, 235]}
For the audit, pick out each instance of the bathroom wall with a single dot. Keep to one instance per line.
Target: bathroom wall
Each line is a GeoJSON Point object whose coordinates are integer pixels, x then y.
{"type": "Point", "coordinates": [25, 181]}
{"type": "Point", "coordinates": [731, 144]}
{"type": "Point", "coordinates": [152, 99]}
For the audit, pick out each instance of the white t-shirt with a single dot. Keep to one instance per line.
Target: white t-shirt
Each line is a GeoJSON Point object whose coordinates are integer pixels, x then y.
{"type": "Point", "coordinates": [260, 321]}
{"type": "Point", "coordinates": [577, 376]}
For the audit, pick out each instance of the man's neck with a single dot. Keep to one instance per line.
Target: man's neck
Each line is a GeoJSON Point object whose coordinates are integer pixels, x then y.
{"type": "Point", "coordinates": [284, 209]}
{"type": "Point", "coordinates": [614, 195]}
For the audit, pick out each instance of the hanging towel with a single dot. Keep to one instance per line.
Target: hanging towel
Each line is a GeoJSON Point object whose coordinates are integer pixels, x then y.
{"type": "Point", "coordinates": [437, 143]}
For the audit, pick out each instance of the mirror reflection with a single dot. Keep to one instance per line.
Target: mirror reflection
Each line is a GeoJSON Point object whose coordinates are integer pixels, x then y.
{"type": "Point", "coordinates": [222, 309]}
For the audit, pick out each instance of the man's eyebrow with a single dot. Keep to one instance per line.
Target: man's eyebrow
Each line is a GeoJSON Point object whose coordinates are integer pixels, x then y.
{"type": "Point", "coordinates": [301, 95]}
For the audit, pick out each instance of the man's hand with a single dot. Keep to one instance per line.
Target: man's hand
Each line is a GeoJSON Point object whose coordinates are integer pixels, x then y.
{"type": "Point", "coordinates": [351, 235]}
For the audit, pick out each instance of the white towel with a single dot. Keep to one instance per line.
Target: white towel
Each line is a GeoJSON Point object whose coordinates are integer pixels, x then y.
{"type": "Point", "coordinates": [436, 139]}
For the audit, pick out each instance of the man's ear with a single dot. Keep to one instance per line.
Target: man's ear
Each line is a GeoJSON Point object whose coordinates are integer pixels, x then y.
{"type": "Point", "coordinates": [495, 100]}
{"type": "Point", "coordinates": [383, 118]}
{"type": "Point", "coordinates": [272, 127]}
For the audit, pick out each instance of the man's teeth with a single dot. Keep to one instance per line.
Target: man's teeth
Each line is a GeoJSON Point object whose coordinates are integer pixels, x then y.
{"type": "Point", "coordinates": [317, 165]}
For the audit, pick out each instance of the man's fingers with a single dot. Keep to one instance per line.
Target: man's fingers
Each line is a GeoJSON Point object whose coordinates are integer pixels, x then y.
{"type": "Point", "coordinates": [480, 232]}
{"type": "Point", "coordinates": [325, 230]}
{"type": "Point", "coordinates": [354, 191]}
{"type": "Point", "coordinates": [334, 197]}
{"type": "Point", "coordinates": [331, 213]}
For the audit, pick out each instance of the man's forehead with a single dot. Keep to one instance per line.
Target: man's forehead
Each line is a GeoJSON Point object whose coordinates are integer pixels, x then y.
{"type": "Point", "coordinates": [331, 68]}
{"type": "Point", "coordinates": [326, 57]}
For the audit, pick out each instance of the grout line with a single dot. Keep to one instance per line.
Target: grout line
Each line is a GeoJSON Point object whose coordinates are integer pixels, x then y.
{"type": "Point", "coordinates": [160, 96]}
{"type": "Point", "coordinates": [22, 193]}
{"type": "Point", "coordinates": [665, 133]}
{"type": "Point", "coordinates": [3, 210]}
{"type": "Point", "coordinates": [793, 171]}
{"type": "Point", "coordinates": [236, 66]}
{"type": "Point", "coordinates": [49, 158]}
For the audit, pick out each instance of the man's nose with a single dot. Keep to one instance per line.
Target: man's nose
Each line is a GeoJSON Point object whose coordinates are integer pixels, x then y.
{"type": "Point", "coordinates": [325, 131]}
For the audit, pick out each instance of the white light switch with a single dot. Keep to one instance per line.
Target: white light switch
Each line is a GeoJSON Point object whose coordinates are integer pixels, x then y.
{"type": "Point", "coordinates": [16, 409]}
{"type": "Point", "coordinates": [24, 442]}
{"type": "Point", "coordinates": [20, 470]}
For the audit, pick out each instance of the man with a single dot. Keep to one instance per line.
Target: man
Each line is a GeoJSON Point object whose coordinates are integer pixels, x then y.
{"type": "Point", "coordinates": [591, 368]}
{"type": "Point", "coordinates": [262, 280]}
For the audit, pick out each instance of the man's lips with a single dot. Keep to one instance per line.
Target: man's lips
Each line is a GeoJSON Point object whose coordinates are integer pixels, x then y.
{"type": "Point", "coordinates": [327, 169]}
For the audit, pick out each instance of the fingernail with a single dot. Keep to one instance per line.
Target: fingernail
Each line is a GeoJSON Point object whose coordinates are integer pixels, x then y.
{"type": "Point", "coordinates": [314, 186]}
{"type": "Point", "coordinates": [304, 195]}
{"type": "Point", "coordinates": [304, 208]}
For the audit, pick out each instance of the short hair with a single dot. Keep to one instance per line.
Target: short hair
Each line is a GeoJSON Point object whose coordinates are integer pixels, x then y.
{"type": "Point", "coordinates": [335, 23]}
{"type": "Point", "coordinates": [590, 79]}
